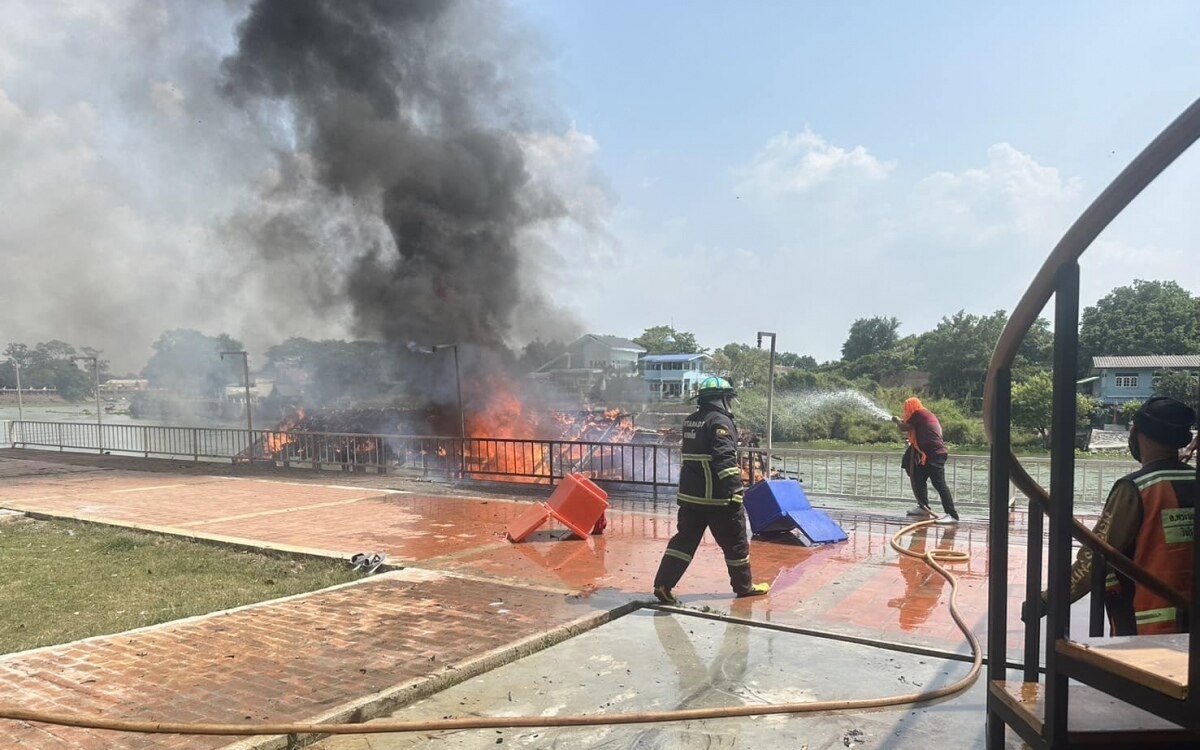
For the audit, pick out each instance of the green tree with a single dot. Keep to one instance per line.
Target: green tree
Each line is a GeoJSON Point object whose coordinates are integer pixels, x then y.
{"type": "Point", "coordinates": [1178, 385]}
{"type": "Point", "coordinates": [1033, 406]}
{"type": "Point", "coordinates": [870, 336]}
{"type": "Point", "coordinates": [879, 365]}
{"type": "Point", "coordinates": [800, 362]}
{"type": "Point", "coordinates": [189, 362]}
{"type": "Point", "coordinates": [52, 364]}
{"type": "Point", "coordinates": [957, 353]}
{"type": "Point", "coordinates": [741, 363]}
{"type": "Point", "coordinates": [1149, 317]}
{"type": "Point", "coordinates": [666, 340]}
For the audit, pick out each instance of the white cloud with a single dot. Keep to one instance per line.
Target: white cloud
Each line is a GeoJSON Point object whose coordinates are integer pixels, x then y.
{"type": "Point", "coordinates": [1012, 197]}
{"type": "Point", "coordinates": [791, 164]}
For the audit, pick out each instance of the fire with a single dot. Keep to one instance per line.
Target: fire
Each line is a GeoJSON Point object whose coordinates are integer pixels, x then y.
{"type": "Point", "coordinates": [274, 443]}
{"type": "Point", "coordinates": [503, 415]}
{"type": "Point", "coordinates": [507, 438]}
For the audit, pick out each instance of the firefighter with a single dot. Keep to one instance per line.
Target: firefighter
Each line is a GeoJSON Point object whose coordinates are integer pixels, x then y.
{"type": "Point", "coordinates": [710, 495]}
{"type": "Point", "coordinates": [1148, 516]}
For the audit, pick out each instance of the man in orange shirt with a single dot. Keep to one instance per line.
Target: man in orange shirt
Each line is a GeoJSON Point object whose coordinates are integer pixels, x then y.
{"type": "Point", "coordinates": [925, 459]}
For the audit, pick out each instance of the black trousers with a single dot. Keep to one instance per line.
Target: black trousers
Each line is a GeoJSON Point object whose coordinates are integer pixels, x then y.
{"type": "Point", "coordinates": [728, 526]}
{"type": "Point", "coordinates": [933, 471]}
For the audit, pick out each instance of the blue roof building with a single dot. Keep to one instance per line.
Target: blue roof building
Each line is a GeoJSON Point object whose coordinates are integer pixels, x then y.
{"type": "Point", "coordinates": [1121, 379]}
{"type": "Point", "coordinates": [671, 376]}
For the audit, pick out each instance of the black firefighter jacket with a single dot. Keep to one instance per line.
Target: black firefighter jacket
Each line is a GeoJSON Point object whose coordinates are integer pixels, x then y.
{"type": "Point", "coordinates": [710, 474]}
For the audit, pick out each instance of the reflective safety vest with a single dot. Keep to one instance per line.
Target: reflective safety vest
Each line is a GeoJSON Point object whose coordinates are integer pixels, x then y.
{"type": "Point", "coordinates": [1163, 547]}
{"type": "Point", "coordinates": [709, 474]}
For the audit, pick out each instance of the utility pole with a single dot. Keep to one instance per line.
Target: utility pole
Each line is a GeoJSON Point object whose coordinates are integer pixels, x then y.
{"type": "Point", "coordinates": [20, 403]}
{"type": "Point", "coordinates": [462, 415]}
{"type": "Point", "coordinates": [770, 400]}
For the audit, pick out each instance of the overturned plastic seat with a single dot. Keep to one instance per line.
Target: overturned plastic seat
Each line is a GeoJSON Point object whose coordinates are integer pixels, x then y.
{"type": "Point", "coordinates": [576, 503]}
{"type": "Point", "coordinates": [780, 505]}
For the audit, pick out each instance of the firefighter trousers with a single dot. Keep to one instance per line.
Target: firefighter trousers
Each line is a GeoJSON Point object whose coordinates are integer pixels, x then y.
{"type": "Point", "coordinates": [933, 472]}
{"type": "Point", "coordinates": [728, 526]}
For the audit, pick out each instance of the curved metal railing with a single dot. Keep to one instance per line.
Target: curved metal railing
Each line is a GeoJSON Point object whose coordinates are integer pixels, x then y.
{"type": "Point", "coordinates": [1156, 157]}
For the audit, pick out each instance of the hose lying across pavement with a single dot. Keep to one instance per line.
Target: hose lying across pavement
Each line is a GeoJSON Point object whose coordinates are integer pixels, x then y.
{"type": "Point", "coordinates": [932, 557]}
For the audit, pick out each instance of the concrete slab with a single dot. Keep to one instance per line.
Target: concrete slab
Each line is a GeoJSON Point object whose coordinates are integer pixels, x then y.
{"type": "Point", "coordinates": [660, 661]}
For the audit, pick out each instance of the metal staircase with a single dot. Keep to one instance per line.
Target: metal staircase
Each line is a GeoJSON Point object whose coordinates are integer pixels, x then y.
{"type": "Point", "coordinates": [1098, 691]}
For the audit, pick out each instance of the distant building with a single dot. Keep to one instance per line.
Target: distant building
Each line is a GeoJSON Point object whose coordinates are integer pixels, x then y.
{"type": "Point", "coordinates": [670, 376]}
{"type": "Point", "coordinates": [1117, 380]}
{"type": "Point", "coordinates": [119, 386]}
{"type": "Point", "coordinates": [592, 366]}
{"type": "Point", "coordinates": [259, 390]}
{"type": "Point", "coordinates": [606, 353]}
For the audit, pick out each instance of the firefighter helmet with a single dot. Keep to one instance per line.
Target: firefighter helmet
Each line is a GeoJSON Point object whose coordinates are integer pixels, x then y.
{"type": "Point", "coordinates": [714, 388]}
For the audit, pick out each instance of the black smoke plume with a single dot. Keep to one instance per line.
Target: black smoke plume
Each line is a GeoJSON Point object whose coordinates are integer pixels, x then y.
{"type": "Point", "coordinates": [409, 114]}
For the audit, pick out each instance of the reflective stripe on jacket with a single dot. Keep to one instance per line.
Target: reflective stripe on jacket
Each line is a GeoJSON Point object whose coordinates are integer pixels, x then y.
{"type": "Point", "coordinates": [709, 474]}
{"type": "Point", "coordinates": [1167, 491]}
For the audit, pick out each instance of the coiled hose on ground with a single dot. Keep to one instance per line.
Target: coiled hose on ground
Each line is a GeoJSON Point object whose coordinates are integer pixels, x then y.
{"type": "Point", "coordinates": [934, 558]}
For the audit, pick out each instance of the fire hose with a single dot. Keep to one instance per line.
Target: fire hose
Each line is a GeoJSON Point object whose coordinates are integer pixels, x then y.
{"type": "Point", "coordinates": [934, 558]}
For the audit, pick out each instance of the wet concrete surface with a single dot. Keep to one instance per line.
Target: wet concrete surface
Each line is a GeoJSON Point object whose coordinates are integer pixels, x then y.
{"type": "Point", "coordinates": [654, 661]}
{"type": "Point", "coordinates": [860, 588]}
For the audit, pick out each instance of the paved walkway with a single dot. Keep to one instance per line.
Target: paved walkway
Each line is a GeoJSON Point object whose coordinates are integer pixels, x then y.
{"type": "Point", "coordinates": [466, 592]}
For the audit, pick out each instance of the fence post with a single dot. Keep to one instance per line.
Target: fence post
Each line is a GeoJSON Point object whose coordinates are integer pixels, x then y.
{"type": "Point", "coordinates": [146, 440]}
{"type": "Point", "coordinates": [60, 438]}
{"type": "Point", "coordinates": [195, 446]}
{"type": "Point", "coordinates": [655, 480]}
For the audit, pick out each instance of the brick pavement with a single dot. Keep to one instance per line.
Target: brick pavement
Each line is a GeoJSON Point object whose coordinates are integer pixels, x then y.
{"type": "Point", "coordinates": [289, 660]}
{"type": "Point", "coordinates": [861, 586]}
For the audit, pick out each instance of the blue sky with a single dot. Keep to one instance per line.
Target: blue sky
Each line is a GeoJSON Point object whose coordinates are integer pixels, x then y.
{"type": "Point", "coordinates": [681, 97]}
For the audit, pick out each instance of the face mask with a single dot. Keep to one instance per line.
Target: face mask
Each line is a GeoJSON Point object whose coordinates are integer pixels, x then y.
{"type": "Point", "coordinates": [1135, 449]}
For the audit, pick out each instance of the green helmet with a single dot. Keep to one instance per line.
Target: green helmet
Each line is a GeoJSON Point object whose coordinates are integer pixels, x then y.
{"type": "Point", "coordinates": [713, 387]}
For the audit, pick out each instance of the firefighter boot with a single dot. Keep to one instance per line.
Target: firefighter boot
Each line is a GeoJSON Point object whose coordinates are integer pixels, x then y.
{"type": "Point", "coordinates": [664, 595]}
{"type": "Point", "coordinates": [757, 589]}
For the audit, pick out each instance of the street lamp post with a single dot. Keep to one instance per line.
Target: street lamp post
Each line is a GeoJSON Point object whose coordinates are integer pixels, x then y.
{"type": "Point", "coordinates": [420, 349]}
{"type": "Point", "coordinates": [462, 416]}
{"type": "Point", "coordinates": [249, 417]}
{"type": "Point", "coordinates": [770, 399]}
{"type": "Point", "coordinates": [20, 403]}
{"type": "Point", "coordinates": [96, 372]}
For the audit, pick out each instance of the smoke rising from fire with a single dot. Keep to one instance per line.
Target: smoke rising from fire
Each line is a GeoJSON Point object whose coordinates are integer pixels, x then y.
{"type": "Point", "coordinates": [388, 170]}
{"type": "Point", "coordinates": [409, 113]}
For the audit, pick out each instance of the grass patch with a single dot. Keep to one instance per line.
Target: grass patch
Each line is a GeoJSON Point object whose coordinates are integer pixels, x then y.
{"type": "Point", "coordinates": [65, 580]}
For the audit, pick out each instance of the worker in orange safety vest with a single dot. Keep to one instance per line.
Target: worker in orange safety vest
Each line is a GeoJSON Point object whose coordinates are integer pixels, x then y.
{"type": "Point", "coordinates": [1148, 517]}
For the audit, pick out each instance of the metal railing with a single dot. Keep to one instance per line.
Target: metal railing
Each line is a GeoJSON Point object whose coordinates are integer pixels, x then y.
{"type": "Point", "coordinates": [1065, 660]}
{"type": "Point", "coordinates": [879, 475]}
{"type": "Point", "coordinates": [856, 474]}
